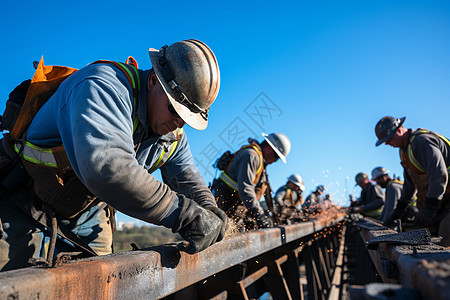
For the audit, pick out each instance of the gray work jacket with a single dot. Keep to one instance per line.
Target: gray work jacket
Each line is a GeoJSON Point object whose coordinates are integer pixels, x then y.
{"type": "Point", "coordinates": [243, 170]}
{"type": "Point", "coordinates": [433, 154]}
{"type": "Point", "coordinates": [393, 194]}
{"type": "Point", "coordinates": [372, 198]}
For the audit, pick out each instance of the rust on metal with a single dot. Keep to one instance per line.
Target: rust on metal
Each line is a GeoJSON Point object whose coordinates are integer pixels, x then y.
{"type": "Point", "coordinates": [422, 268]}
{"type": "Point", "coordinates": [148, 273]}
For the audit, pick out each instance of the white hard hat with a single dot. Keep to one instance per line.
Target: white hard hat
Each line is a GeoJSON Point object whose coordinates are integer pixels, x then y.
{"type": "Point", "coordinates": [379, 171]}
{"type": "Point", "coordinates": [298, 181]}
{"type": "Point", "coordinates": [280, 143]}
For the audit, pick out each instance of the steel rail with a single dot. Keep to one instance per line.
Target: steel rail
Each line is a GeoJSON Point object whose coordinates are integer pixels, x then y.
{"type": "Point", "coordinates": [423, 268]}
{"type": "Point", "coordinates": [151, 273]}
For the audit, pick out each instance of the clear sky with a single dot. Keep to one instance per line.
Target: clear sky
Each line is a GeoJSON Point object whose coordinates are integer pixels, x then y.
{"type": "Point", "coordinates": [322, 72]}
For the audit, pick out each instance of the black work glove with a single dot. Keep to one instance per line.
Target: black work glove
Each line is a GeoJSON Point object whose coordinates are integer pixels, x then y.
{"type": "Point", "coordinates": [223, 216]}
{"type": "Point", "coordinates": [200, 227]}
{"type": "Point", "coordinates": [426, 215]}
{"type": "Point", "coordinates": [398, 213]}
{"type": "Point", "coordinates": [264, 221]}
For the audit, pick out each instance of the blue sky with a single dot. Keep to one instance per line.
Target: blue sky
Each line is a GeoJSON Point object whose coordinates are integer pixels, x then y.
{"type": "Point", "coordinates": [322, 72]}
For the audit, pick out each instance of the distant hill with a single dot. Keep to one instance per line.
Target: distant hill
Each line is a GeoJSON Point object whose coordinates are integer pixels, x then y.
{"type": "Point", "coordinates": [143, 237]}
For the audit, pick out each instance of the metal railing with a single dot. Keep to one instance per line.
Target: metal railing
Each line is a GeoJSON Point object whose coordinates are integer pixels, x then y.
{"type": "Point", "coordinates": [286, 261]}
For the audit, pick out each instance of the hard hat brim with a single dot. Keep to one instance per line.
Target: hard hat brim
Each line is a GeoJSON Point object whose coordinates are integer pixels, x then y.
{"type": "Point", "coordinates": [382, 174]}
{"type": "Point", "coordinates": [300, 185]}
{"type": "Point", "coordinates": [195, 120]}
{"type": "Point", "coordinates": [388, 137]}
{"type": "Point", "coordinates": [280, 155]}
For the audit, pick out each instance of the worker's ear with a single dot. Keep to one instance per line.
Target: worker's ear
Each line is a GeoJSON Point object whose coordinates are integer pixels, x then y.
{"type": "Point", "coordinates": [152, 81]}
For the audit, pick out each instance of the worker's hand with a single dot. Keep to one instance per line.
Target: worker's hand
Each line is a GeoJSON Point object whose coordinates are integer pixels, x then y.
{"type": "Point", "coordinates": [427, 213]}
{"type": "Point", "coordinates": [355, 210]}
{"type": "Point", "coordinates": [197, 225]}
{"type": "Point", "coordinates": [223, 216]}
{"type": "Point", "coordinates": [398, 213]}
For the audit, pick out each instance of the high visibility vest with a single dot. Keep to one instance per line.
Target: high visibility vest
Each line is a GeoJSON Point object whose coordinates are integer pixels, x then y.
{"type": "Point", "coordinates": [167, 152]}
{"type": "Point", "coordinates": [407, 155]}
{"type": "Point", "coordinates": [232, 183]}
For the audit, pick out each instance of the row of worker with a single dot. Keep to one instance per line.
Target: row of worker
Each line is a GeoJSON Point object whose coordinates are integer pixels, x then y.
{"type": "Point", "coordinates": [243, 181]}
{"type": "Point", "coordinates": [423, 199]}
{"type": "Point", "coordinates": [80, 145]}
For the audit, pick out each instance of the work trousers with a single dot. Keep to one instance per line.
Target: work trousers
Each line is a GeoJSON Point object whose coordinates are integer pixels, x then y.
{"type": "Point", "coordinates": [25, 238]}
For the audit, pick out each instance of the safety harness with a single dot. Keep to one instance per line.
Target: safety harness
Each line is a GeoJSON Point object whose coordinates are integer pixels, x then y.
{"type": "Point", "coordinates": [232, 183]}
{"type": "Point", "coordinates": [407, 155]}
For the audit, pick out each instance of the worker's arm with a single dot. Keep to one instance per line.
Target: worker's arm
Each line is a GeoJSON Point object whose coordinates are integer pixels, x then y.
{"type": "Point", "coordinates": [278, 199]}
{"type": "Point", "coordinates": [393, 193]}
{"type": "Point", "coordinates": [408, 191]}
{"type": "Point", "coordinates": [428, 150]}
{"type": "Point", "coordinates": [246, 164]}
{"type": "Point", "coordinates": [181, 174]}
{"type": "Point", "coordinates": [375, 198]}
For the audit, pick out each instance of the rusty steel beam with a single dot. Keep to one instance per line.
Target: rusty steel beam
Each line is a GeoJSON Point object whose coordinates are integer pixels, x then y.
{"type": "Point", "coordinates": [423, 268]}
{"type": "Point", "coordinates": [148, 273]}
{"type": "Point", "coordinates": [336, 284]}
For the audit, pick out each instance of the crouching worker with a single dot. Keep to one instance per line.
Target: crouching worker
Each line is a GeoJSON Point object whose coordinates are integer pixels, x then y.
{"type": "Point", "coordinates": [243, 180]}
{"type": "Point", "coordinates": [288, 199]}
{"type": "Point", "coordinates": [92, 147]}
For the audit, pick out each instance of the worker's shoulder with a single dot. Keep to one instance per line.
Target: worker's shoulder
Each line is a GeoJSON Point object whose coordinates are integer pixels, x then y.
{"type": "Point", "coordinates": [100, 76]}
{"type": "Point", "coordinates": [422, 136]}
{"type": "Point", "coordinates": [423, 142]}
{"type": "Point", "coordinates": [102, 71]}
{"type": "Point", "coordinates": [248, 151]}
{"type": "Point", "coordinates": [394, 185]}
{"type": "Point", "coordinates": [248, 154]}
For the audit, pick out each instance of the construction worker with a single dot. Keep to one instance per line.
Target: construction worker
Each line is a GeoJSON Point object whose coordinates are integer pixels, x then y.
{"type": "Point", "coordinates": [288, 198]}
{"type": "Point", "coordinates": [115, 132]}
{"type": "Point", "coordinates": [393, 190]}
{"type": "Point", "coordinates": [243, 181]}
{"type": "Point", "coordinates": [425, 157]}
{"type": "Point", "coordinates": [312, 202]}
{"type": "Point", "coordinates": [371, 201]}
{"type": "Point", "coordinates": [327, 203]}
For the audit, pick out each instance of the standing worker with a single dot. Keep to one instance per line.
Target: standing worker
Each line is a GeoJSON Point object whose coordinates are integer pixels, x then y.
{"type": "Point", "coordinates": [312, 202]}
{"type": "Point", "coordinates": [243, 181]}
{"type": "Point", "coordinates": [393, 190]}
{"type": "Point", "coordinates": [371, 201]}
{"type": "Point", "coordinates": [425, 157]}
{"type": "Point", "coordinates": [288, 198]}
{"type": "Point", "coordinates": [117, 124]}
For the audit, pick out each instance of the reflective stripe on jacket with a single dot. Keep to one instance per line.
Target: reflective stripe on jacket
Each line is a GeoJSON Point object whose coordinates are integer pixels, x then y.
{"type": "Point", "coordinates": [45, 157]}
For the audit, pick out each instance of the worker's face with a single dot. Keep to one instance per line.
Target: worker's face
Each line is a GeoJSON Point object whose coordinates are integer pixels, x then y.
{"type": "Point", "coordinates": [269, 155]}
{"type": "Point", "coordinates": [364, 183]}
{"type": "Point", "coordinates": [395, 141]}
{"type": "Point", "coordinates": [161, 116]}
{"type": "Point", "coordinates": [382, 181]}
